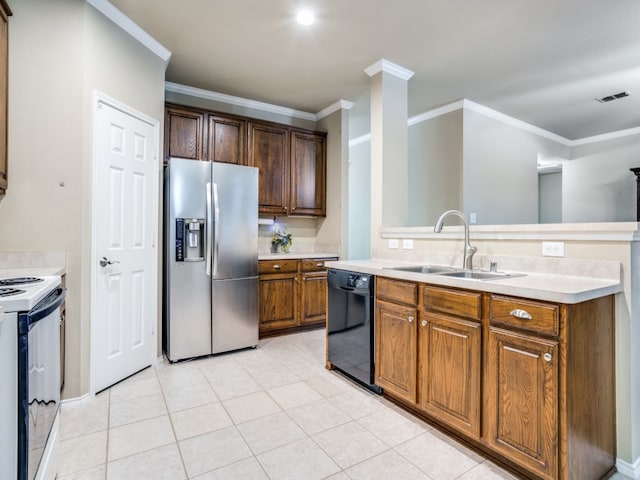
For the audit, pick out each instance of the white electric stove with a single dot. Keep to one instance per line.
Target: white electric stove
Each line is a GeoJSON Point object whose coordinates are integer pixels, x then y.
{"type": "Point", "coordinates": [30, 375]}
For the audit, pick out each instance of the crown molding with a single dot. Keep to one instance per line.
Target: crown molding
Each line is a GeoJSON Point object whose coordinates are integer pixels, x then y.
{"type": "Point", "coordinates": [383, 65]}
{"type": "Point", "coordinates": [361, 139]}
{"type": "Point", "coordinates": [436, 112]}
{"type": "Point", "coordinates": [126, 24]}
{"type": "Point", "coordinates": [339, 105]}
{"type": "Point", "coordinates": [514, 122]}
{"type": "Point", "coordinates": [238, 101]}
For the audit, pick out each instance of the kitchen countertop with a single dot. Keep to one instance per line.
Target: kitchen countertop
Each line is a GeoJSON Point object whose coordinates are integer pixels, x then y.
{"type": "Point", "coordinates": [31, 271]}
{"type": "Point", "coordinates": [540, 286]}
{"type": "Point", "coordinates": [296, 255]}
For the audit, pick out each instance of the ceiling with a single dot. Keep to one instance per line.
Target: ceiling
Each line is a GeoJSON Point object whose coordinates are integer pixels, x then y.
{"type": "Point", "coordinates": [542, 61]}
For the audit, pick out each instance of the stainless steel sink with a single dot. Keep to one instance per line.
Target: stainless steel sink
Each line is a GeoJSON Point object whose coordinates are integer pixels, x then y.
{"type": "Point", "coordinates": [436, 269]}
{"type": "Point", "coordinates": [476, 275]}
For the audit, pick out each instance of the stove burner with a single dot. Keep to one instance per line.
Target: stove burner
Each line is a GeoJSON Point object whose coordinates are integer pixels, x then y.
{"type": "Point", "coordinates": [7, 282]}
{"type": "Point", "coordinates": [6, 292]}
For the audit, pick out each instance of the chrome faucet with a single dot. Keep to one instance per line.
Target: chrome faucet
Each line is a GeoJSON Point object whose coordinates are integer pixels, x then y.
{"type": "Point", "coordinates": [468, 249]}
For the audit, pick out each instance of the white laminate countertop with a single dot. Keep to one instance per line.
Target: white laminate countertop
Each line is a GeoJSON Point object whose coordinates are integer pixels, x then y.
{"type": "Point", "coordinates": [296, 256]}
{"type": "Point", "coordinates": [31, 271]}
{"type": "Point", "coordinates": [540, 286]}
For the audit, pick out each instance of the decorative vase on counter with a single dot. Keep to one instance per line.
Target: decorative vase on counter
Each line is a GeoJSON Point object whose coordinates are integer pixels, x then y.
{"type": "Point", "coordinates": [281, 242]}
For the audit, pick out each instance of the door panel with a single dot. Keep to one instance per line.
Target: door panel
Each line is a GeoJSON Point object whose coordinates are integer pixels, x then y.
{"type": "Point", "coordinates": [522, 378]}
{"type": "Point", "coordinates": [124, 310]}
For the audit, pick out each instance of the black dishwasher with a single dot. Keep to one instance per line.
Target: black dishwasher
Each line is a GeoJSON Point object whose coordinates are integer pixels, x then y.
{"type": "Point", "coordinates": [350, 327]}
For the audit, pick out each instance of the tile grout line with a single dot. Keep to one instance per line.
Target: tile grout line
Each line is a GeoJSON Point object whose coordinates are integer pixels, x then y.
{"type": "Point", "coordinates": [173, 430]}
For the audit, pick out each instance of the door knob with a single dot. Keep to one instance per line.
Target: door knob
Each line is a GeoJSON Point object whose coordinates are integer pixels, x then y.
{"type": "Point", "coordinates": [104, 261]}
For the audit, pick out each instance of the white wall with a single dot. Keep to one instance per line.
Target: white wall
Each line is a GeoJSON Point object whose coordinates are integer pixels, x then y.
{"type": "Point", "coordinates": [550, 197]}
{"type": "Point", "coordinates": [500, 174]}
{"type": "Point", "coordinates": [597, 185]}
{"type": "Point", "coordinates": [435, 168]}
{"type": "Point", "coordinates": [359, 181]}
{"type": "Point", "coordinates": [60, 51]}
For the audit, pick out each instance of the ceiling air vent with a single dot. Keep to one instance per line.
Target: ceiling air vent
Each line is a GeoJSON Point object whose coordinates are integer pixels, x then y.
{"type": "Point", "coordinates": [611, 98]}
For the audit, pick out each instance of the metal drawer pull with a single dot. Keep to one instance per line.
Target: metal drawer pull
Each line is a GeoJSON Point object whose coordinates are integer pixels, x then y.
{"type": "Point", "coordinates": [410, 319]}
{"type": "Point", "coordinates": [277, 267]}
{"type": "Point", "coordinates": [423, 323]}
{"type": "Point", "coordinates": [320, 264]}
{"type": "Point", "coordinates": [521, 314]}
{"type": "Point", "coordinates": [547, 357]}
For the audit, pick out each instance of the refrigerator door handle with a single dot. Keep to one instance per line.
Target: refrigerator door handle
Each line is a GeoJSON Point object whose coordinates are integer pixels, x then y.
{"type": "Point", "coordinates": [208, 232]}
{"type": "Point", "coordinates": [216, 209]}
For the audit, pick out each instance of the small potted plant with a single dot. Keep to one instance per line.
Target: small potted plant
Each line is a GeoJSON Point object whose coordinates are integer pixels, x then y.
{"type": "Point", "coordinates": [281, 240]}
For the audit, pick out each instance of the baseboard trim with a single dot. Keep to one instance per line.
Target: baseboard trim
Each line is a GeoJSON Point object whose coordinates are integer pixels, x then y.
{"type": "Point", "coordinates": [631, 470]}
{"type": "Point", "coordinates": [74, 402]}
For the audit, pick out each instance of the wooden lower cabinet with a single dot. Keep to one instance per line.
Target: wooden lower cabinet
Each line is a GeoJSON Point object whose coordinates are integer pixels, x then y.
{"type": "Point", "coordinates": [449, 371]}
{"type": "Point", "coordinates": [292, 295]}
{"type": "Point", "coordinates": [522, 400]}
{"type": "Point", "coordinates": [396, 349]}
{"type": "Point", "coordinates": [529, 382]}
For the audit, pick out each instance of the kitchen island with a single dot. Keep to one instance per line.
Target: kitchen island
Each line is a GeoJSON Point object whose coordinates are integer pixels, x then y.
{"type": "Point", "coordinates": [521, 368]}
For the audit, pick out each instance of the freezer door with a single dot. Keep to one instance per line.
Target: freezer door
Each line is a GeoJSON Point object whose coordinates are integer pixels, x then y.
{"type": "Point", "coordinates": [235, 231]}
{"type": "Point", "coordinates": [235, 314]}
{"type": "Point", "coordinates": [187, 298]}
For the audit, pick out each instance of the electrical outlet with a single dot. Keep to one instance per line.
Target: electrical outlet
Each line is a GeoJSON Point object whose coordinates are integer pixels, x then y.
{"type": "Point", "coordinates": [473, 218]}
{"type": "Point", "coordinates": [407, 243]}
{"type": "Point", "coordinates": [553, 249]}
{"type": "Point", "coordinates": [393, 243]}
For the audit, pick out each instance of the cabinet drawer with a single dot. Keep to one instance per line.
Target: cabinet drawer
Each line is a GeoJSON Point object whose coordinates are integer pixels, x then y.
{"type": "Point", "coordinates": [313, 265]}
{"type": "Point", "coordinates": [277, 266]}
{"type": "Point", "coordinates": [397, 291]}
{"type": "Point", "coordinates": [456, 302]}
{"type": "Point", "coordinates": [525, 315]}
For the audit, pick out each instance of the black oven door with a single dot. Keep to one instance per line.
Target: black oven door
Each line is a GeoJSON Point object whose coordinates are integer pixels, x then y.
{"type": "Point", "coordinates": [38, 380]}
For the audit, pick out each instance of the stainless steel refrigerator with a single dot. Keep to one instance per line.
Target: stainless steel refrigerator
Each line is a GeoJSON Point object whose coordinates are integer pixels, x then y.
{"type": "Point", "coordinates": [210, 281]}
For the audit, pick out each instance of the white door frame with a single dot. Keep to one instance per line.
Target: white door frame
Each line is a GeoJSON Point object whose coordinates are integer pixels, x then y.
{"type": "Point", "coordinates": [101, 98]}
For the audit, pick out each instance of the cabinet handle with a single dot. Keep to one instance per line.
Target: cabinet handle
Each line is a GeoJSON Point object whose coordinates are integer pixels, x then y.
{"type": "Point", "coordinates": [277, 267]}
{"type": "Point", "coordinates": [521, 314]}
{"type": "Point", "coordinates": [423, 323]}
{"type": "Point", "coordinates": [410, 319]}
{"type": "Point", "coordinates": [547, 357]}
{"type": "Point", "coordinates": [320, 264]}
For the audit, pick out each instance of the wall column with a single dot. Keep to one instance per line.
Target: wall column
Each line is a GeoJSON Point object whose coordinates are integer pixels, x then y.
{"type": "Point", "coordinates": [389, 150]}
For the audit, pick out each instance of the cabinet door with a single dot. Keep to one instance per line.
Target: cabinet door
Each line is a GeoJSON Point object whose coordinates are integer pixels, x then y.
{"type": "Point", "coordinates": [308, 174]}
{"type": "Point", "coordinates": [449, 370]}
{"type": "Point", "coordinates": [269, 151]}
{"type": "Point", "coordinates": [314, 298]}
{"type": "Point", "coordinates": [396, 349]}
{"type": "Point", "coordinates": [226, 140]}
{"type": "Point", "coordinates": [4, 92]}
{"type": "Point", "coordinates": [183, 134]}
{"type": "Point", "coordinates": [522, 400]}
{"type": "Point", "coordinates": [277, 302]}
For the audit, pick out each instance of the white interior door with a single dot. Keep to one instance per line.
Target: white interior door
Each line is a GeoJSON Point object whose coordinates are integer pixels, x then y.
{"type": "Point", "coordinates": [125, 200]}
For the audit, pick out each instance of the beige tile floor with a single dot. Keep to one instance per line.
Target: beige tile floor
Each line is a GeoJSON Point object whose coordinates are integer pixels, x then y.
{"type": "Point", "coordinates": [270, 413]}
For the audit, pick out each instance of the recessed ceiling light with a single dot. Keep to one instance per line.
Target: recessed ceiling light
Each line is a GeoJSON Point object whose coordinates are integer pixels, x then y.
{"type": "Point", "coordinates": [305, 17]}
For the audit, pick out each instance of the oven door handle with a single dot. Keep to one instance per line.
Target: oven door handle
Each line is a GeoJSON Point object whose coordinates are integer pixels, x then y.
{"type": "Point", "coordinates": [45, 308]}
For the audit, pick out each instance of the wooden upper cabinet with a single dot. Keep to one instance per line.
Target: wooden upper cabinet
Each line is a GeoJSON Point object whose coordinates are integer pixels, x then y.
{"type": "Point", "coordinates": [227, 140]}
{"type": "Point", "coordinates": [269, 151]}
{"type": "Point", "coordinates": [292, 161]}
{"type": "Point", "coordinates": [183, 133]}
{"type": "Point", "coordinates": [5, 12]}
{"type": "Point", "coordinates": [308, 173]}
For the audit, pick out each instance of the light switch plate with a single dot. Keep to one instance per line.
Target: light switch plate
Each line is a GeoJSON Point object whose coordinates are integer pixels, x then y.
{"type": "Point", "coordinates": [393, 243]}
{"type": "Point", "coordinates": [407, 243]}
{"type": "Point", "coordinates": [553, 249]}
